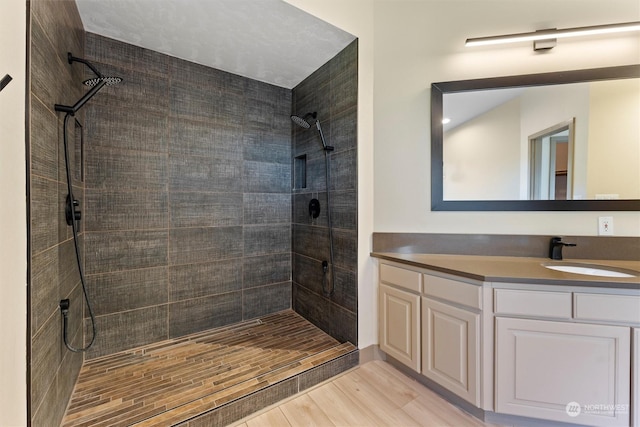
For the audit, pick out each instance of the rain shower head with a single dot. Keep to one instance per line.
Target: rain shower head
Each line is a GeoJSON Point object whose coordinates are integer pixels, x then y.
{"type": "Point", "coordinates": [95, 84]}
{"type": "Point", "coordinates": [303, 121]}
{"type": "Point", "coordinates": [108, 81]}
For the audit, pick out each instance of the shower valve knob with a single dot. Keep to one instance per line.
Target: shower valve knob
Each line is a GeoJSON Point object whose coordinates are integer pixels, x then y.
{"type": "Point", "coordinates": [314, 208]}
{"type": "Point", "coordinates": [71, 211]}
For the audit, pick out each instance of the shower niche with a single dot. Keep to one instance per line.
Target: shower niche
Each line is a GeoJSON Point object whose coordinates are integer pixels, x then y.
{"type": "Point", "coordinates": [300, 172]}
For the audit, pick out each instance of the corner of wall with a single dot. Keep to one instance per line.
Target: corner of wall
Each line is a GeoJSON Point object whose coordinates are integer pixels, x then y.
{"type": "Point", "coordinates": [13, 225]}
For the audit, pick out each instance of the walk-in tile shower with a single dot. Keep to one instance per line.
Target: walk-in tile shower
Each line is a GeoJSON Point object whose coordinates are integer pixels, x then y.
{"type": "Point", "coordinates": [190, 218]}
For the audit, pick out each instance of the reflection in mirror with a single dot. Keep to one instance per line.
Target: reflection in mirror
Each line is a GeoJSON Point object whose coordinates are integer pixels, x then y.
{"type": "Point", "coordinates": [556, 141]}
{"type": "Point", "coordinates": [550, 154]}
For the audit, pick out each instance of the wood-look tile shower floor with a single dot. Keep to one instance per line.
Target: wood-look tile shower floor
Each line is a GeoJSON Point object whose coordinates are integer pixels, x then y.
{"type": "Point", "coordinates": [166, 383]}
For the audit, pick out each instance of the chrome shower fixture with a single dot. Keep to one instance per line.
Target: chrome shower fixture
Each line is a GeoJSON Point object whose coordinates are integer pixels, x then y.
{"type": "Point", "coordinates": [95, 83]}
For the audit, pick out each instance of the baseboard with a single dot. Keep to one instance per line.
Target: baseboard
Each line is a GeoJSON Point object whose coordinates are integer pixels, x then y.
{"type": "Point", "coordinates": [370, 353]}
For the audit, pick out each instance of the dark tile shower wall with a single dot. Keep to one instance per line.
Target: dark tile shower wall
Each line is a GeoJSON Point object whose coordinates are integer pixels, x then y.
{"type": "Point", "coordinates": [55, 29]}
{"type": "Point", "coordinates": [331, 91]}
{"type": "Point", "coordinates": [188, 198]}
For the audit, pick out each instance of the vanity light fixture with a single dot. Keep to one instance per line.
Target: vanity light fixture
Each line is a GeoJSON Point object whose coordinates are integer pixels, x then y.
{"type": "Point", "coordinates": [545, 39]}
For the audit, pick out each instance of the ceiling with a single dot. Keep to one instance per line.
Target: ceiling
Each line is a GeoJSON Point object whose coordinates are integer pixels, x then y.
{"type": "Point", "coordinates": [266, 40]}
{"type": "Point", "coordinates": [460, 107]}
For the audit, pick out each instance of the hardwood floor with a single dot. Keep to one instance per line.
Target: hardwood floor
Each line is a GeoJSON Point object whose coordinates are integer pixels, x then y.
{"type": "Point", "coordinates": [171, 382]}
{"type": "Point", "coordinates": [373, 394]}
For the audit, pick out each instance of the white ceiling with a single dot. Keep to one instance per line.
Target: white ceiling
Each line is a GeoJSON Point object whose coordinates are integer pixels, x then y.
{"type": "Point", "coordinates": [266, 40]}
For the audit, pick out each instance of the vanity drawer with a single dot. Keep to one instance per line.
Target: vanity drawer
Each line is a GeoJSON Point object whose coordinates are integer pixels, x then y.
{"type": "Point", "coordinates": [407, 279]}
{"type": "Point", "coordinates": [611, 308]}
{"type": "Point", "coordinates": [454, 291]}
{"type": "Point", "coordinates": [533, 303]}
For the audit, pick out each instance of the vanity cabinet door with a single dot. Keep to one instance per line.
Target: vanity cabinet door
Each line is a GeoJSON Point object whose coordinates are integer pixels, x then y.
{"type": "Point", "coordinates": [400, 325]}
{"type": "Point", "coordinates": [546, 369]}
{"type": "Point", "coordinates": [450, 355]}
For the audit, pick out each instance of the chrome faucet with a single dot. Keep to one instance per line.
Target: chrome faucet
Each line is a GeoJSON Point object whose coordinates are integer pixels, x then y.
{"type": "Point", "coordinates": [555, 247]}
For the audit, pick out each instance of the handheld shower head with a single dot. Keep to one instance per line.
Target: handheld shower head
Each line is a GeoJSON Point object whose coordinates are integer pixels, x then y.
{"type": "Point", "coordinates": [303, 121]}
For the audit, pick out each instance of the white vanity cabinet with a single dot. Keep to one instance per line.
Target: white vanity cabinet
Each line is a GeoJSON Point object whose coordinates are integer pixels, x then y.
{"type": "Point", "coordinates": [563, 353]}
{"type": "Point", "coordinates": [399, 314]}
{"type": "Point", "coordinates": [542, 367]}
{"type": "Point", "coordinates": [451, 336]}
{"type": "Point", "coordinates": [433, 325]}
{"type": "Point", "coordinates": [564, 356]}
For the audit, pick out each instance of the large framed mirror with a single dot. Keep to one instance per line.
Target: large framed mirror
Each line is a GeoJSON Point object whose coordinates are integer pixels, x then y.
{"type": "Point", "coordinates": [562, 141]}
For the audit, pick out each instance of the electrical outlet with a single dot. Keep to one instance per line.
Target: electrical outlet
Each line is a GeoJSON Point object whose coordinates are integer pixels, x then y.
{"type": "Point", "coordinates": [605, 226]}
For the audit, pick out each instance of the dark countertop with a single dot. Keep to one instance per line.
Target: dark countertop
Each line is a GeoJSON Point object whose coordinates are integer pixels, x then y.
{"type": "Point", "coordinates": [517, 269]}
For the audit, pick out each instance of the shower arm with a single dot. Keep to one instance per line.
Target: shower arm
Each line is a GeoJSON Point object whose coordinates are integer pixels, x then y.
{"type": "Point", "coordinates": [73, 59]}
{"type": "Point", "coordinates": [87, 96]}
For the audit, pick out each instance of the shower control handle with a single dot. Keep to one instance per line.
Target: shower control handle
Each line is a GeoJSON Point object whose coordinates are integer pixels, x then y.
{"type": "Point", "coordinates": [71, 211]}
{"type": "Point", "coordinates": [314, 208]}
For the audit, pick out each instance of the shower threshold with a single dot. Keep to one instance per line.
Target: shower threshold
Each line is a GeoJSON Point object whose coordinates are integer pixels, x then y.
{"type": "Point", "coordinates": [209, 378]}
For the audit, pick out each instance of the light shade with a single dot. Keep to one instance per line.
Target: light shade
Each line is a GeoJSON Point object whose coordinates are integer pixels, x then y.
{"type": "Point", "coordinates": [554, 34]}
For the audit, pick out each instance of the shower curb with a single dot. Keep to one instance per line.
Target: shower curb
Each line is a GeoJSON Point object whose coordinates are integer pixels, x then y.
{"type": "Point", "coordinates": [247, 405]}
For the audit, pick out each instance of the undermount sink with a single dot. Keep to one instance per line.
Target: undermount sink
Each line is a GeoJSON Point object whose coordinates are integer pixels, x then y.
{"type": "Point", "coordinates": [592, 270]}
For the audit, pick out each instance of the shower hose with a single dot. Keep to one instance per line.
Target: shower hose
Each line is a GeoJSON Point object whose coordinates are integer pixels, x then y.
{"type": "Point", "coordinates": [64, 304]}
{"type": "Point", "coordinates": [327, 288]}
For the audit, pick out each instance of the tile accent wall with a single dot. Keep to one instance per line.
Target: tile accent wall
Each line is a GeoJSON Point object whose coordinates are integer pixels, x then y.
{"type": "Point", "coordinates": [55, 29]}
{"type": "Point", "coordinates": [331, 91]}
{"type": "Point", "coordinates": [188, 198]}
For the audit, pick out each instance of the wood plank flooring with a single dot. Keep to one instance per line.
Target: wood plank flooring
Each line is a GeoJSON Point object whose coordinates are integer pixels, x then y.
{"type": "Point", "coordinates": [373, 394]}
{"type": "Point", "coordinates": [170, 382]}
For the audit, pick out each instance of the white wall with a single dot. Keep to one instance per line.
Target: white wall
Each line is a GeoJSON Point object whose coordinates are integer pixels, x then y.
{"type": "Point", "coordinates": [614, 131]}
{"type": "Point", "coordinates": [420, 42]}
{"type": "Point", "coordinates": [482, 156]}
{"type": "Point", "coordinates": [13, 217]}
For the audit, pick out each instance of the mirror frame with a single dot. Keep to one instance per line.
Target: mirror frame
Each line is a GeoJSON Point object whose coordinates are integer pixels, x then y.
{"type": "Point", "coordinates": [560, 77]}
